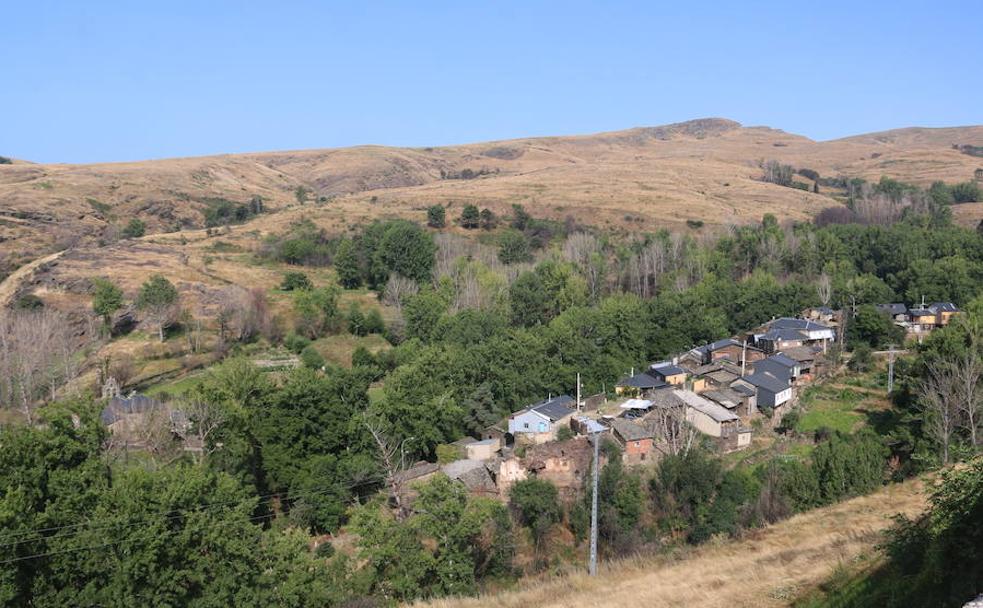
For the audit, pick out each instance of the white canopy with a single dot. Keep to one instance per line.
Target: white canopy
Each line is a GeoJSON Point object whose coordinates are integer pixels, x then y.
{"type": "Point", "coordinates": [636, 404]}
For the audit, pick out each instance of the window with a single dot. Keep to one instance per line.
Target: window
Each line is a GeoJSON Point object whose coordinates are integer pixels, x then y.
{"type": "Point", "coordinates": [525, 425]}
{"type": "Point", "coordinates": [638, 443]}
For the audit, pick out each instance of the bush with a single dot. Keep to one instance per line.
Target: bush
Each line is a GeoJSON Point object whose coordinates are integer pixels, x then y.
{"type": "Point", "coordinates": [374, 324]}
{"type": "Point", "coordinates": [295, 280]}
{"type": "Point", "coordinates": [514, 248]}
{"type": "Point", "coordinates": [436, 216]}
{"type": "Point", "coordinates": [789, 423]}
{"type": "Point", "coordinates": [966, 192]}
{"type": "Point", "coordinates": [5, 161]}
{"type": "Point", "coordinates": [862, 359]}
{"type": "Point", "coordinates": [356, 321]}
{"type": "Point", "coordinates": [296, 343]}
{"type": "Point", "coordinates": [695, 224]}
{"type": "Point", "coordinates": [312, 359]}
{"type": "Point", "coordinates": [134, 229]}
{"type": "Point", "coordinates": [29, 302]}
{"type": "Point", "coordinates": [564, 433]}
{"type": "Point", "coordinates": [470, 217]}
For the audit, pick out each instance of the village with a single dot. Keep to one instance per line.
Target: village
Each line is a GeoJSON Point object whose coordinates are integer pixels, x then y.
{"type": "Point", "coordinates": [718, 393]}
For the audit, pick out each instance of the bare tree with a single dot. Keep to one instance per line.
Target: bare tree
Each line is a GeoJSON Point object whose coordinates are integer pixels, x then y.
{"type": "Point", "coordinates": [824, 289]}
{"type": "Point", "coordinates": [37, 357]}
{"type": "Point", "coordinates": [672, 432]}
{"type": "Point", "coordinates": [244, 314]}
{"type": "Point", "coordinates": [393, 460]}
{"type": "Point", "coordinates": [204, 420]}
{"type": "Point", "coordinates": [939, 403]}
{"type": "Point", "coordinates": [969, 378]}
{"type": "Point", "coordinates": [398, 288]}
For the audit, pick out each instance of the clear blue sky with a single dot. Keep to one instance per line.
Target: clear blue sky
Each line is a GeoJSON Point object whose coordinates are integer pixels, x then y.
{"type": "Point", "coordinates": [98, 81]}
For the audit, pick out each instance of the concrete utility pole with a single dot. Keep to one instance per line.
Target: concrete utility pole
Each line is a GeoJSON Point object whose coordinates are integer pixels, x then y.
{"type": "Point", "coordinates": [890, 369]}
{"type": "Point", "coordinates": [579, 405]}
{"type": "Point", "coordinates": [592, 566]}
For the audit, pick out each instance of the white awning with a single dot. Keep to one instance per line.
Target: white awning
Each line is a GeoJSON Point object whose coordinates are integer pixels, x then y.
{"type": "Point", "coordinates": [636, 404]}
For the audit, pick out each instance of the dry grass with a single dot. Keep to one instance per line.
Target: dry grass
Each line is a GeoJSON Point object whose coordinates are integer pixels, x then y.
{"type": "Point", "coordinates": [770, 567]}
{"type": "Point", "coordinates": [638, 179]}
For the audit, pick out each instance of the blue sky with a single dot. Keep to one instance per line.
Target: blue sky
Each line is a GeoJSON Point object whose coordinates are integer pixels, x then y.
{"type": "Point", "coordinates": [101, 81]}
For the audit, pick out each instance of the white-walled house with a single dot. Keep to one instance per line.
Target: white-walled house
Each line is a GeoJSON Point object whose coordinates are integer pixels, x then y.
{"type": "Point", "coordinates": [540, 422]}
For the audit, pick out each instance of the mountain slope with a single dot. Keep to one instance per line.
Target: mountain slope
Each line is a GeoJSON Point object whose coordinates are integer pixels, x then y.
{"type": "Point", "coordinates": [771, 567]}
{"type": "Point", "coordinates": [640, 178]}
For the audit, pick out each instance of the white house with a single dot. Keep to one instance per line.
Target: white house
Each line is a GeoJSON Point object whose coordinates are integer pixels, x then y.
{"type": "Point", "coordinates": [540, 422]}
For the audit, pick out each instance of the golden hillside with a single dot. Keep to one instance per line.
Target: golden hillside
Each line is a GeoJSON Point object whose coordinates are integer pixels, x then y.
{"type": "Point", "coordinates": [643, 178]}
{"type": "Point", "coordinates": [769, 568]}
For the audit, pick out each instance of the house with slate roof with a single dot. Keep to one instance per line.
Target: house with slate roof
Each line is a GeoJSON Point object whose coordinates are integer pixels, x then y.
{"type": "Point", "coordinates": [637, 441]}
{"type": "Point", "coordinates": [639, 384]}
{"type": "Point", "coordinates": [670, 373]}
{"type": "Point", "coordinates": [540, 422]}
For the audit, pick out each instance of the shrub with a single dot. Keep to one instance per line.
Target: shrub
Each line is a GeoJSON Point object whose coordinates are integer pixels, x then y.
{"type": "Point", "coordinates": [966, 192]}
{"type": "Point", "coordinates": [564, 433]}
{"type": "Point", "coordinates": [295, 280]}
{"type": "Point", "coordinates": [310, 358]}
{"type": "Point", "coordinates": [134, 229]}
{"type": "Point", "coordinates": [470, 217]}
{"type": "Point", "coordinates": [29, 302]}
{"type": "Point", "coordinates": [5, 161]}
{"type": "Point", "coordinates": [514, 248]}
{"type": "Point", "coordinates": [296, 343]}
{"type": "Point", "coordinates": [436, 216]}
{"type": "Point", "coordinates": [374, 323]}
{"type": "Point", "coordinates": [695, 224]}
{"type": "Point", "coordinates": [536, 505]}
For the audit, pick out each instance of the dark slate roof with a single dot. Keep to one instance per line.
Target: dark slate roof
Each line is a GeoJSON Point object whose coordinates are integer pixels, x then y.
{"type": "Point", "coordinates": [642, 380]}
{"type": "Point", "coordinates": [667, 369]}
{"type": "Point", "coordinates": [714, 346]}
{"type": "Point", "coordinates": [740, 386]}
{"type": "Point", "coordinates": [783, 360]}
{"type": "Point", "coordinates": [726, 397]}
{"type": "Point", "coordinates": [943, 307]}
{"type": "Point", "coordinates": [921, 312]}
{"type": "Point", "coordinates": [555, 408]}
{"type": "Point", "coordinates": [767, 381]}
{"type": "Point", "coordinates": [773, 335]}
{"type": "Point", "coordinates": [790, 323]}
{"type": "Point", "coordinates": [893, 309]}
{"type": "Point", "coordinates": [826, 310]}
{"type": "Point", "coordinates": [775, 369]}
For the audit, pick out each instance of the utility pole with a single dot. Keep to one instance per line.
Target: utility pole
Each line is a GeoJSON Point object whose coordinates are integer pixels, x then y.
{"type": "Point", "coordinates": [579, 405]}
{"type": "Point", "coordinates": [592, 566]}
{"type": "Point", "coordinates": [743, 357]}
{"type": "Point", "coordinates": [890, 369]}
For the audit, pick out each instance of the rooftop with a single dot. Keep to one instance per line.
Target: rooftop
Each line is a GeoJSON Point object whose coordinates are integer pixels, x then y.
{"type": "Point", "coordinates": [767, 381]}
{"type": "Point", "coordinates": [701, 404]}
{"type": "Point", "coordinates": [555, 408]}
{"type": "Point", "coordinates": [667, 369]}
{"type": "Point", "coordinates": [630, 431]}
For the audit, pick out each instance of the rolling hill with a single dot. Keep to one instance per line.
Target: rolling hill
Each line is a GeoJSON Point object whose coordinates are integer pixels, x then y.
{"type": "Point", "coordinates": [641, 178]}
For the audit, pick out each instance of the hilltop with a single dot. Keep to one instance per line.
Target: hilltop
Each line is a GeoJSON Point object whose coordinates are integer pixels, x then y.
{"type": "Point", "coordinates": [703, 170]}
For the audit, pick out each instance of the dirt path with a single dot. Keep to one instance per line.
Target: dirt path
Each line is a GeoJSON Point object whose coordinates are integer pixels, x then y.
{"type": "Point", "coordinates": [9, 286]}
{"type": "Point", "coordinates": [770, 568]}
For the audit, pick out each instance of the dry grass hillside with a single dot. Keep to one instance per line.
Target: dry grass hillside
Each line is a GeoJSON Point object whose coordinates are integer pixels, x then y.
{"type": "Point", "coordinates": [640, 178]}
{"type": "Point", "coordinates": [771, 567]}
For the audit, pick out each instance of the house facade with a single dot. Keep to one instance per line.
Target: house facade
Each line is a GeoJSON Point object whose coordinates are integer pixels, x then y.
{"type": "Point", "coordinates": [540, 422]}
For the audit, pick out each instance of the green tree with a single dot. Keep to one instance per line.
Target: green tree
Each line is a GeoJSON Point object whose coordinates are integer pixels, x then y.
{"type": "Point", "coordinates": [317, 311]}
{"type": "Point", "coordinates": [513, 248]}
{"type": "Point", "coordinates": [470, 217]}
{"type": "Point", "coordinates": [346, 265]}
{"type": "Point", "coordinates": [537, 506]}
{"type": "Point", "coordinates": [107, 298]}
{"type": "Point", "coordinates": [862, 359]}
{"type": "Point", "coordinates": [528, 300]}
{"type": "Point", "coordinates": [406, 249]}
{"type": "Point", "coordinates": [873, 327]}
{"type": "Point", "coordinates": [158, 298]}
{"type": "Point", "coordinates": [356, 321]}
{"type": "Point", "coordinates": [436, 216]}
{"type": "Point", "coordinates": [422, 312]}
